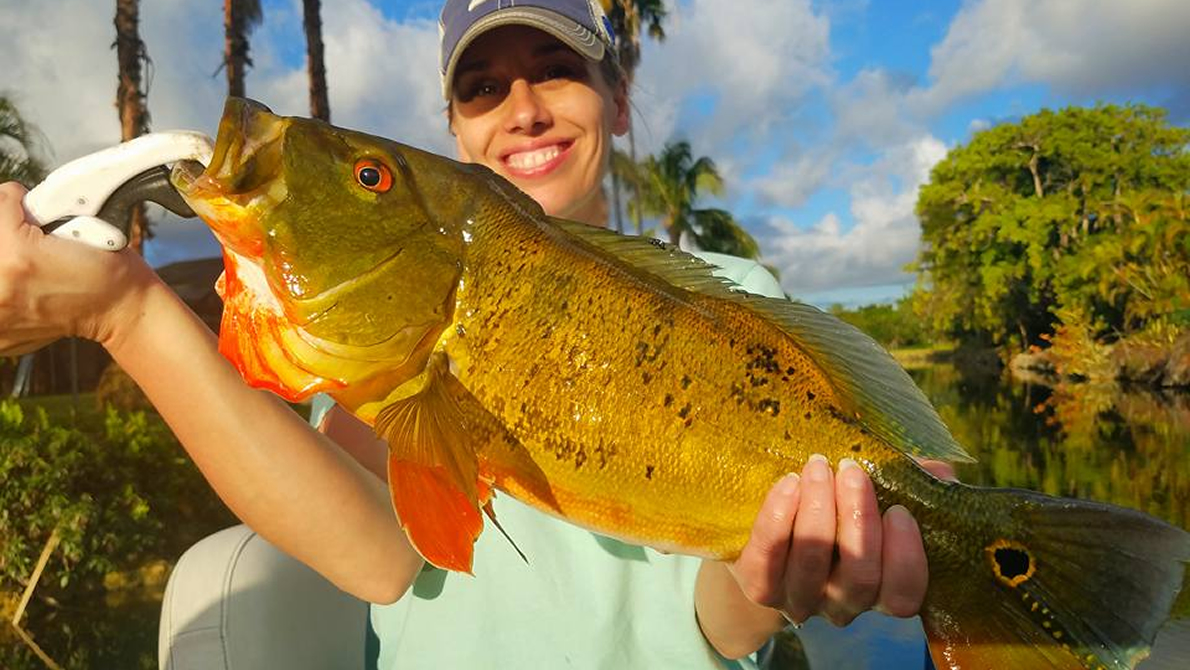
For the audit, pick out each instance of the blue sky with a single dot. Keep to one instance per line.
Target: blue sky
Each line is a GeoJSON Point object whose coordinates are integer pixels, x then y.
{"type": "Point", "coordinates": [825, 117]}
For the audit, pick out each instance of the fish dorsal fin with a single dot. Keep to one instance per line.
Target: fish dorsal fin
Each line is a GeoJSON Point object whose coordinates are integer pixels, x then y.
{"type": "Point", "coordinates": [878, 392]}
{"type": "Point", "coordinates": [433, 470]}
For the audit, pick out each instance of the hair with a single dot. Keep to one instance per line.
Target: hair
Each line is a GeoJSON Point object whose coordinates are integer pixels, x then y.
{"type": "Point", "coordinates": [609, 68]}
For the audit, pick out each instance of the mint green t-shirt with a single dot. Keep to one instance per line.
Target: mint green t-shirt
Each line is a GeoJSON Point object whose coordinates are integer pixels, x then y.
{"type": "Point", "coordinates": [582, 601]}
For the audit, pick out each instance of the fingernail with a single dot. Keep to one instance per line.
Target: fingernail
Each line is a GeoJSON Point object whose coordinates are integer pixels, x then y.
{"type": "Point", "coordinates": [789, 482]}
{"type": "Point", "coordinates": [817, 468]}
{"type": "Point", "coordinates": [850, 473]}
{"type": "Point", "coordinates": [900, 517]}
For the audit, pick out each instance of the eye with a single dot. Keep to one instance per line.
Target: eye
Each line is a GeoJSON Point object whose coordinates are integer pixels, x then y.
{"type": "Point", "coordinates": [373, 175]}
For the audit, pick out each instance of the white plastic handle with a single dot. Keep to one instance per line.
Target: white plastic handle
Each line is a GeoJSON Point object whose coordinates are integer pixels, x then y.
{"type": "Point", "coordinates": [79, 188]}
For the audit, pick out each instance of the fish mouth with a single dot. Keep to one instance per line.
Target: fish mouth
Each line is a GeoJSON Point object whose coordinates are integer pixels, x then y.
{"type": "Point", "coordinates": [244, 178]}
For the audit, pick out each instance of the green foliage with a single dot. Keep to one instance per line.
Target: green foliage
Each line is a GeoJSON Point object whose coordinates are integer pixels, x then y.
{"type": "Point", "coordinates": [1081, 209]}
{"type": "Point", "coordinates": [893, 326]}
{"type": "Point", "coordinates": [117, 498]}
{"type": "Point", "coordinates": [17, 141]}
{"type": "Point", "coordinates": [669, 184]}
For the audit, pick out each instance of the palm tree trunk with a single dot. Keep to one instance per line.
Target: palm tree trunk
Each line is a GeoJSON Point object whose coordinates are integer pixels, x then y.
{"type": "Point", "coordinates": [320, 107]}
{"type": "Point", "coordinates": [235, 46]}
{"type": "Point", "coordinates": [616, 203]}
{"type": "Point", "coordinates": [635, 187]}
{"type": "Point", "coordinates": [130, 100]}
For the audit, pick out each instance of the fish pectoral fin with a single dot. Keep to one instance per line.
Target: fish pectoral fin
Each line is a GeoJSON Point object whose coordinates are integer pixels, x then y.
{"type": "Point", "coordinates": [432, 470]}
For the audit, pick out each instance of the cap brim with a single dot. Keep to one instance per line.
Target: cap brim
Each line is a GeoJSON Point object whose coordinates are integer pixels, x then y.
{"type": "Point", "coordinates": [573, 35]}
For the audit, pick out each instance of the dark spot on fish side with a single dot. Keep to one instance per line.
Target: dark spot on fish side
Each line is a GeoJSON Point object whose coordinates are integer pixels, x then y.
{"type": "Point", "coordinates": [856, 448]}
{"type": "Point", "coordinates": [810, 395]}
{"type": "Point", "coordinates": [579, 459]}
{"type": "Point", "coordinates": [648, 472]}
{"type": "Point", "coordinates": [669, 399]}
{"type": "Point", "coordinates": [807, 416]}
{"type": "Point", "coordinates": [685, 382]}
{"type": "Point", "coordinates": [688, 422]}
{"type": "Point", "coordinates": [684, 411]}
{"type": "Point", "coordinates": [789, 371]}
{"type": "Point", "coordinates": [656, 330]}
{"type": "Point", "coordinates": [646, 377]}
{"type": "Point", "coordinates": [565, 305]}
{"type": "Point", "coordinates": [788, 436]}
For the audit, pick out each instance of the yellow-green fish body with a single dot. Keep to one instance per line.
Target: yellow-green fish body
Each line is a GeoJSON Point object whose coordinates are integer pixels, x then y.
{"type": "Point", "coordinates": [617, 384]}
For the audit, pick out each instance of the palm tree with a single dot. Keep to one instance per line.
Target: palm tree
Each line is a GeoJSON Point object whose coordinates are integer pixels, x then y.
{"type": "Point", "coordinates": [239, 18]}
{"type": "Point", "coordinates": [627, 17]}
{"type": "Point", "coordinates": [671, 182]}
{"type": "Point", "coordinates": [17, 139]}
{"type": "Point", "coordinates": [130, 99]}
{"type": "Point", "coordinates": [320, 107]}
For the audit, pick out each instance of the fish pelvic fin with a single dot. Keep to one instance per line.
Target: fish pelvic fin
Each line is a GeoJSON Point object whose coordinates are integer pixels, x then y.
{"type": "Point", "coordinates": [432, 469]}
{"type": "Point", "coordinates": [875, 389]}
{"type": "Point", "coordinates": [1077, 585]}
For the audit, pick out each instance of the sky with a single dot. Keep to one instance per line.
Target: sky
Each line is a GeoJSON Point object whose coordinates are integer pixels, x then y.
{"type": "Point", "coordinates": [824, 117]}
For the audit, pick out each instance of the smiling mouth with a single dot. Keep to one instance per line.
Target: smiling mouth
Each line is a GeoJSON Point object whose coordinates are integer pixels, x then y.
{"type": "Point", "coordinates": [537, 161]}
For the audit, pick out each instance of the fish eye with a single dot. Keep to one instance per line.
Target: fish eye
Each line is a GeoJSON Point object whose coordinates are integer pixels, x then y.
{"type": "Point", "coordinates": [373, 175]}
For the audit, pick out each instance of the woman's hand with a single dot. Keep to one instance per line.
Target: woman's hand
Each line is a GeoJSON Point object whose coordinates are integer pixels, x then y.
{"type": "Point", "coordinates": [52, 288]}
{"type": "Point", "coordinates": [789, 563]}
{"type": "Point", "coordinates": [819, 546]}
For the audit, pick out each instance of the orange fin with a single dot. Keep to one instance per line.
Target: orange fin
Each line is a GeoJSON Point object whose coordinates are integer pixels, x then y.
{"type": "Point", "coordinates": [440, 521]}
{"type": "Point", "coordinates": [433, 470]}
{"type": "Point", "coordinates": [250, 337]}
{"type": "Point", "coordinates": [491, 514]}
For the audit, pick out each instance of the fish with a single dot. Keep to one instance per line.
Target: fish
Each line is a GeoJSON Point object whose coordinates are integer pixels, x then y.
{"type": "Point", "coordinates": [618, 384]}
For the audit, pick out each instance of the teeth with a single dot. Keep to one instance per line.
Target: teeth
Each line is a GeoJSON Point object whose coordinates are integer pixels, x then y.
{"type": "Point", "coordinates": [527, 160]}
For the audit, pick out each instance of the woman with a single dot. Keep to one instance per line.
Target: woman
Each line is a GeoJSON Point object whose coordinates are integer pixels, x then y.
{"type": "Point", "coordinates": [534, 94]}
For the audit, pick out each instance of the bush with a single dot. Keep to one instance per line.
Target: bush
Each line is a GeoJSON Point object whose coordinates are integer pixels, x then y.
{"type": "Point", "coordinates": [117, 499]}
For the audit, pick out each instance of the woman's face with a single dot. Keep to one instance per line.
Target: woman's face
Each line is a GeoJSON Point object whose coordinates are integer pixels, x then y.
{"type": "Point", "coordinates": [540, 115]}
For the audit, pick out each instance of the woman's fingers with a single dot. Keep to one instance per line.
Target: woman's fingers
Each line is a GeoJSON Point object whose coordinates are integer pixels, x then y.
{"type": "Point", "coordinates": [761, 565]}
{"type": "Point", "coordinates": [855, 580]}
{"type": "Point", "coordinates": [812, 549]}
{"type": "Point", "coordinates": [906, 574]}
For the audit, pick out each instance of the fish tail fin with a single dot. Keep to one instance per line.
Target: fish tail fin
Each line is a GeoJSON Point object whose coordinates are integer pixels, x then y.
{"type": "Point", "coordinates": [1061, 584]}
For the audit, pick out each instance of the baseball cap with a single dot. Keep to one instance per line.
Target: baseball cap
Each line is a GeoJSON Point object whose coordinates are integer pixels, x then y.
{"type": "Point", "coordinates": [579, 24]}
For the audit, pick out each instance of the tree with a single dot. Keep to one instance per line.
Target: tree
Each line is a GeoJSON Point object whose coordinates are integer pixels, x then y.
{"type": "Point", "coordinates": [320, 107]}
{"type": "Point", "coordinates": [1081, 211]}
{"type": "Point", "coordinates": [17, 139]}
{"type": "Point", "coordinates": [669, 186]}
{"type": "Point", "coordinates": [627, 17]}
{"type": "Point", "coordinates": [130, 99]}
{"type": "Point", "coordinates": [240, 17]}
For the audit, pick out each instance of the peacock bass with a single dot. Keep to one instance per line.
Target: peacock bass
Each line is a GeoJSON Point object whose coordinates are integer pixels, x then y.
{"type": "Point", "coordinates": [615, 383]}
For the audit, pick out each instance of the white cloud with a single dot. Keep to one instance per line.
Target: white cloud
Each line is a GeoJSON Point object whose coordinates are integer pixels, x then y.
{"type": "Point", "coordinates": [883, 239]}
{"type": "Point", "coordinates": [752, 60]}
{"type": "Point", "coordinates": [1082, 49]}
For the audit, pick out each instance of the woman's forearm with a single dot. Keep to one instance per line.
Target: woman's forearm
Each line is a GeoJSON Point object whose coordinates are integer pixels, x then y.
{"type": "Point", "coordinates": [734, 625]}
{"type": "Point", "coordinates": [290, 483]}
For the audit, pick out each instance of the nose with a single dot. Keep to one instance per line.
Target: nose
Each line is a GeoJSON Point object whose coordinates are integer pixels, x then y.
{"type": "Point", "coordinates": [526, 111]}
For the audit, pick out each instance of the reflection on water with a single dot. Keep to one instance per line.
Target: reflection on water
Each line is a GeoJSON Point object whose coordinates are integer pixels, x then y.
{"type": "Point", "coordinates": [1127, 447]}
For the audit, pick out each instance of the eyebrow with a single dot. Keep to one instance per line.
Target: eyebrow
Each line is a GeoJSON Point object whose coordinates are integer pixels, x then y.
{"type": "Point", "coordinates": [546, 49]}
